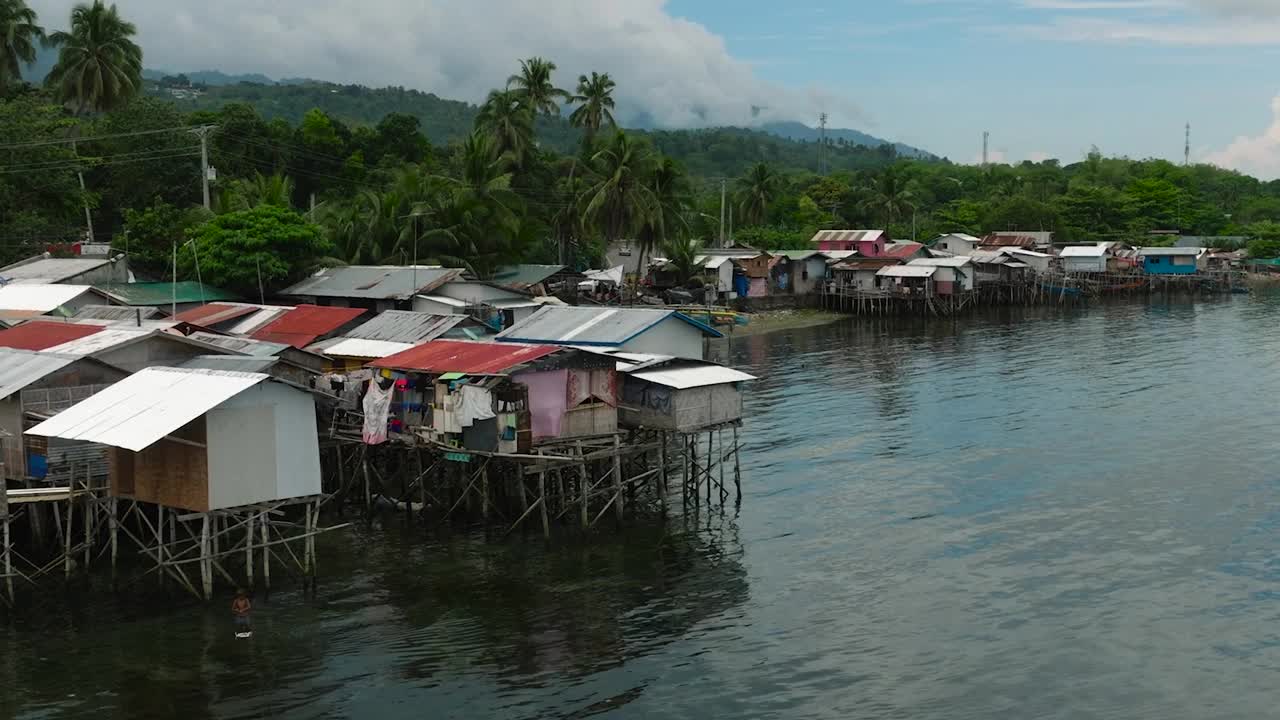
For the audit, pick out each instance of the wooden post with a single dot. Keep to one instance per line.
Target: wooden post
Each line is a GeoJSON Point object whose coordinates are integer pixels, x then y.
{"type": "Point", "coordinates": [266, 550]}
{"type": "Point", "coordinates": [4, 518]}
{"type": "Point", "coordinates": [206, 562]}
{"type": "Point", "coordinates": [584, 489]}
{"type": "Point", "coordinates": [306, 530]}
{"type": "Point", "coordinates": [90, 515]}
{"type": "Point", "coordinates": [542, 507]}
{"type": "Point", "coordinates": [160, 544]}
{"type": "Point", "coordinates": [248, 552]}
{"type": "Point", "coordinates": [342, 477]}
{"type": "Point", "coordinates": [617, 478]}
{"type": "Point", "coordinates": [737, 470]}
{"type": "Point", "coordinates": [484, 491]}
{"type": "Point", "coordinates": [66, 534]}
{"type": "Point", "coordinates": [662, 473]}
{"type": "Point", "coordinates": [113, 521]}
{"type": "Point", "coordinates": [721, 457]}
{"type": "Point", "coordinates": [684, 472]}
{"type": "Point", "coordinates": [524, 498]}
{"type": "Point", "coordinates": [368, 497]}
{"type": "Point", "coordinates": [710, 439]}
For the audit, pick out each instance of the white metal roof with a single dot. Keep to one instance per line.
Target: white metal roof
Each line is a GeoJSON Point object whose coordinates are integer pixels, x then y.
{"type": "Point", "coordinates": [690, 376]}
{"type": "Point", "coordinates": [138, 411]}
{"type": "Point", "coordinates": [39, 298]}
{"type": "Point", "coordinates": [1163, 251]}
{"type": "Point", "coordinates": [361, 348]}
{"type": "Point", "coordinates": [452, 302]}
{"type": "Point", "coordinates": [1084, 251]}
{"type": "Point", "coordinates": [962, 236]}
{"type": "Point", "coordinates": [1023, 251]}
{"type": "Point", "coordinates": [958, 261]}
{"type": "Point", "coordinates": [254, 321]}
{"type": "Point", "coordinates": [915, 271]}
{"type": "Point", "coordinates": [50, 270]}
{"type": "Point", "coordinates": [20, 368]}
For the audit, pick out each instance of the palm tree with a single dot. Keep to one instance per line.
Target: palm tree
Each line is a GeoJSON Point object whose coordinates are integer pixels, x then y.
{"type": "Point", "coordinates": [275, 189]}
{"type": "Point", "coordinates": [99, 66]}
{"type": "Point", "coordinates": [19, 35]}
{"type": "Point", "coordinates": [595, 104]}
{"type": "Point", "coordinates": [671, 200]}
{"type": "Point", "coordinates": [534, 86]}
{"type": "Point", "coordinates": [621, 199]}
{"type": "Point", "coordinates": [682, 254]}
{"type": "Point", "coordinates": [509, 121]}
{"type": "Point", "coordinates": [891, 196]}
{"type": "Point", "coordinates": [756, 191]}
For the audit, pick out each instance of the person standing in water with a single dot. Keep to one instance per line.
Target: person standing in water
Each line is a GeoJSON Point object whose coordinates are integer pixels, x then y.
{"type": "Point", "coordinates": [240, 607]}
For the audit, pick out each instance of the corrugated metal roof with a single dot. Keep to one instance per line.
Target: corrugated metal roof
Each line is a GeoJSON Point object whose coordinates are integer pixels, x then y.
{"type": "Point", "coordinates": [109, 337]}
{"type": "Point", "coordinates": [406, 326]}
{"type": "Point", "coordinates": [304, 324]}
{"type": "Point", "coordinates": [1028, 253]}
{"type": "Point", "coordinates": [1019, 238]}
{"type": "Point", "coordinates": [691, 376]}
{"type": "Point", "coordinates": [902, 249]}
{"type": "Point", "coordinates": [592, 325]}
{"type": "Point", "coordinates": [362, 348]}
{"type": "Point", "coordinates": [160, 294]}
{"type": "Point", "coordinates": [1085, 251]}
{"type": "Point", "coordinates": [245, 345]}
{"type": "Point", "coordinates": [374, 282]}
{"type": "Point", "coordinates": [138, 411]}
{"type": "Point", "coordinates": [265, 314]}
{"type": "Point", "coordinates": [523, 277]}
{"type": "Point", "coordinates": [39, 298]}
{"type": "Point", "coordinates": [115, 312]}
{"type": "Point", "coordinates": [844, 236]}
{"type": "Point", "coordinates": [50, 270]}
{"type": "Point", "coordinates": [797, 255]}
{"type": "Point", "coordinates": [953, 262]}
{"type": "Point", "coordinates": [971, 239]}
{"type": "Point", "coordinates": [472, 358]}
{"type": "Point", "coordinates": [989, 257]}
{"type": "Point", "coordinates": [235, 363]}
{"type": "Point", "coordinates": [20, 368]}
{"type": "Point", "coordinates": [215, 313]}
{"type": "Point", "coordinates": [837, 255]}
{"type": "Point", "coordinates": [42, 335]}
{"type": "Point", "coordinates": [912, 271]}
{"type": "Point", "coordinates": [1166, 251]}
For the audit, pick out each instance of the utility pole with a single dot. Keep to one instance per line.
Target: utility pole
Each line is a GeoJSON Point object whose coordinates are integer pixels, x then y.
{"type": "Point", "coordinates": [1186, 153]}
{"type": "Point", "coordinates": [202, 132]}
{"type": "Point", "coordinates": [986, 142]}
{"type": "Point", "coordinates": [730, 226]}
{"type": "Point", "coordinates": [173, 310]}
{"type": "Point", "coordinates": [822, 144]}
{"type": "Point", "coordinates": [723, 194]}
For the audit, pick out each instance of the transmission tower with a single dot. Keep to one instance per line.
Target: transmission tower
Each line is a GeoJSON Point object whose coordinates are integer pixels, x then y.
{"type": "Point", "coordinates": [1186, 151]}
{"type": "Point", "coordinates": [822, 143]}
{"type": "Point", "coordinates": [986, 143]}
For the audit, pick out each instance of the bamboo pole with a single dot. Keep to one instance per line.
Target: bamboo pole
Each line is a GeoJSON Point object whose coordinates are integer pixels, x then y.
{"type": "Point", "coordinates": [66, 535]}
{"type": "Point", "coordinates": [206, 567]}
{"type": "Point", "coordinates": [661, 483]}
{"type": "Point", "coordinates": [8, 551]}
{"type": "Point", "coordinates": [737, 469]}
{"type": "Point", "coordinates": [542, 505]}
{"type": "Point", "coordinates": [248, 553]}
{"type": "Point", "coordinates": [266, 549]}
{"type": "Point", "coordinates": [617, 477]}
{"type": "Point", "coordinates": [584, 489]}
{"type": "Point", "coordinates": [113, 520]}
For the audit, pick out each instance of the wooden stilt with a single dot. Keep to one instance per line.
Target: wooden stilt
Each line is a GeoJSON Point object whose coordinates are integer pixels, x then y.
{"type": "Point", "coordinates": [266, 550]}
{"type": "Point", "coordinates": [248, 553]}
{"type": "Point", "coordinates": [542, 505]}
{"type": "Point", "coordinates": [160, 544]}
{"type": "Point", "coordinates": [584, 488]}
{"type": "Point", "coordinates": [90, 516]}
{"type": "Point", "coordinates": [661, 482]}
{"type": "Point", "coordinates": [737, 469]}
{"type": "Point", "coordinates": [206, 562]}
{"type": "Point", "coordinates": [4, 536]}
{"type": "Point", "coordinates": [684, 472]}
{"type": "Point", "coordinates": [617, 478]}
{"type": "Point", "coordinates": [721, 458]}
{"type": "Point", "coordinates": [113, 528]}
{"type": "Point", "coordinates": [67, 535]}
{"type": "Point", "coordinates": [368, 495]}
{"type": "Point", "coordinates": [484, 491]}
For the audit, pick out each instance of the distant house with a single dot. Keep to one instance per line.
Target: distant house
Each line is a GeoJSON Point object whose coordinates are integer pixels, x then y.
{"type": "Point", "coordinates": [1028, 239]}
{"type": "Point", "coordinates": [868, 243]}
{"type": "Point", "coordinates": [664, 332]}
{"type": "Point", "coordinates": [1195, 241]}
{"type": "Point", "coordinates": [914, 280]}
{"type": "Point", "coordinates": [1037, 262]}
{"type": "Point", "coordinates": [223, 316]}
{"type": "Point", "coordinates": [860, 274]}
{"type": "Point", "coordinates": [1172, 260]}
{"type": "Point", "coordinates": [212, 439]}
{"type": "Point", "coordinates": [501, 307]}
{"type": "Point", "coordinates": [536, 279]}
{"type": "Point", "coordinates": [373, 287]}
{"type": "Point", "coordinates": [956, 274]}
{"type": "Point", "coordinates": [956, 243]}
{"type": "Point", "coordinates": [804, 270]}
{"type": "Point", "coordinates": [751, 274]}
{"type": "Point", "coordinates": [678, 395]}
{"type": "Point", "coordinates": [306, 324]}
{"type": "Point", "coordinates": [993, 266]}
{"type": "Point", "coordinates": [1084, 258]}
{"type": "Point", "coordinates": [185, 294]}
{"type": "Point", "coordinates": [21, 302]}
{"type": "Point", "coordinates": [135, 349]}
{"type": "Point", "coordinates": [47, 270]}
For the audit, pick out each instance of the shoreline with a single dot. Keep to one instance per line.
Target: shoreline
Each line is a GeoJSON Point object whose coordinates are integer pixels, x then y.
{"type": "Point", "coordinates": [770, 321]}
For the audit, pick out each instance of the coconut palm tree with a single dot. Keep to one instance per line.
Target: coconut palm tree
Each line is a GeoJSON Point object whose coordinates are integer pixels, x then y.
{"type": "Point", "coordinates": [99, 66]}
{"type": "Point", "coordinates": [890, 196]}
{"type": "Point", "coordinates": [756, 192]}
{"type": "Point", "coordinates": [275, 189]}
{"type": "Point", "coordinates": [671, 196]}
{"type": "Point", "coordinates": [682, 254]}
{"type": "Point", "coordinates": [621, 197]}
{"type": "Point", "coordinates": [19, 35]}
{"type": "Point", "coordinates": [507, 119]}
{"type": "Point", "coordinates": [595, 104]}
{"type": "Point", "coordinates": [533, 84]}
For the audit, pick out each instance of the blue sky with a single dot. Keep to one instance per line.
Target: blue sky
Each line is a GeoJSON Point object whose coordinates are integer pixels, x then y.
{"type": "Point", "coordinates": [1045, 77]}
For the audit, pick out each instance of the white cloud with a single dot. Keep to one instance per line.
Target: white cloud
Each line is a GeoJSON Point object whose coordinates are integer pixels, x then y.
{"type": "Point", "coordinates": [1101, 4]}
{"type": "Point", "coordinates": [1259, 155]}
{"type": "Point", "coordinates": [677, 71]}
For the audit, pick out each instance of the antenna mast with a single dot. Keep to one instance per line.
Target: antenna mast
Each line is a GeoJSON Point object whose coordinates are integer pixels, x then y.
{"type": "Point", "coordinates": [822, 143]}
{"type": "Point", "coordinates": [986, 142]}
{"type": "Point", "coordinates": [1186, 152]}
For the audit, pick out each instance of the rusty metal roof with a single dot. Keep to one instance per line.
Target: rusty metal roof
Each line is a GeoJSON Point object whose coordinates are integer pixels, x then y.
{"type": "Point", "coordinates": [471, 358]}
{"type": "Point", "coordinates": [406, 326]}
{"type": "Point", "coordinates": [305, 324]}
{"type": "Point", "coordinates": [902, 249]}
{"type": "Point", "coordinates": [42, 335]}
{"type": "Point", "coordinates": [215, 313]}
{"type": "Point", "coordinates": [847, 236]}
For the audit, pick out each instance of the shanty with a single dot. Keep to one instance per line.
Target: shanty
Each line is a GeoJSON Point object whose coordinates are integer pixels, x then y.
{"type": "Point", "coordinates": [628, 329]}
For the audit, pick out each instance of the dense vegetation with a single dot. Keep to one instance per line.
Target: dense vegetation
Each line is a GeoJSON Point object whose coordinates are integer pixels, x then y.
{"type": "Point", "coordinates": [510, 181]}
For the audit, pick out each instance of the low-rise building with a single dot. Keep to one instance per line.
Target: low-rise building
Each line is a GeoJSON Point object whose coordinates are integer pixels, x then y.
{"type": "Point", "coordinates": [1172, 260]}
{"type": "Point", "coordinates": [1087, 259]}
{"type": "Point", "coordinates": [956, 275]}
{"type": "Point", "coordinates": [659, 331]}
{"type": "Point", "coordinates": [47, 270]}
{"type": "Point", "coordinates": [373, 287]}
{"type": "Point", "coordinates": [867, 243]}
{"type": "Point", "coordinates": [956, 243]}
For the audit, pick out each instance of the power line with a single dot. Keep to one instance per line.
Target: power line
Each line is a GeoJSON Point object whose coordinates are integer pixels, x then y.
{"type": "Point", "coordinates": [122, 159]}
{"type": "Point", "coordinates": [91, 138]}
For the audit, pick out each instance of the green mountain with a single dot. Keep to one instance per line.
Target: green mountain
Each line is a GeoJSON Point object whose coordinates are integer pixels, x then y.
{"type": "Point", "coordinates": [804, 133]}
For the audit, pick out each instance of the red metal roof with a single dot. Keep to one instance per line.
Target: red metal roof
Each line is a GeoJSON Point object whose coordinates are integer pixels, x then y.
{"type": "Point", "coordinates": [40, 335]}
{"type": "Point", "coordinates": [305, 324]}
{"type": "Point", "coordinates": [214, 313]}
{"type": "Point", "coordinates": [1008, 240]}
{"type": "Point", "coordinates": [472, 358]}
{"type": "Point", "coordinates": [901, 249]}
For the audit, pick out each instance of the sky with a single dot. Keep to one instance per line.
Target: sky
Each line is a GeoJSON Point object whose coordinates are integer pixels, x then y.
{"type": "Point", "coordinates": [1047, 78]}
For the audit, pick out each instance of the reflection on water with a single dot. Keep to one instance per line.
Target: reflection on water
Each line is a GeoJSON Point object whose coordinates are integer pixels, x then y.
{"type": "Point", "coordinates": [1041, 514]}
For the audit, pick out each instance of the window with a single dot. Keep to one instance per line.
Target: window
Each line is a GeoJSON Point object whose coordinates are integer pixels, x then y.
{"type": "Point", "coordinates": [805, 274]}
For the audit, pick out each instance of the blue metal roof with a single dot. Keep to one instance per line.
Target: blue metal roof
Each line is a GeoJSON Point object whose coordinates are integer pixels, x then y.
{"type": "Point", "coordinates": [593, 326]}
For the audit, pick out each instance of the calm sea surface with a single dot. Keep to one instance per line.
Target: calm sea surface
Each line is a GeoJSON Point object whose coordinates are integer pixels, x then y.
{"type": "Point", "coordinates": [1054, 515]}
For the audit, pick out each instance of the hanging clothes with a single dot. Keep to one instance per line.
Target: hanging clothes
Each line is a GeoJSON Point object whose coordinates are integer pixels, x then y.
{"type": "Point", "coordinates": [548, 394]}
{"type": "Point", "coordinates": [475, 403]}
{"type": "Point", "coordinates": [377, 405]}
